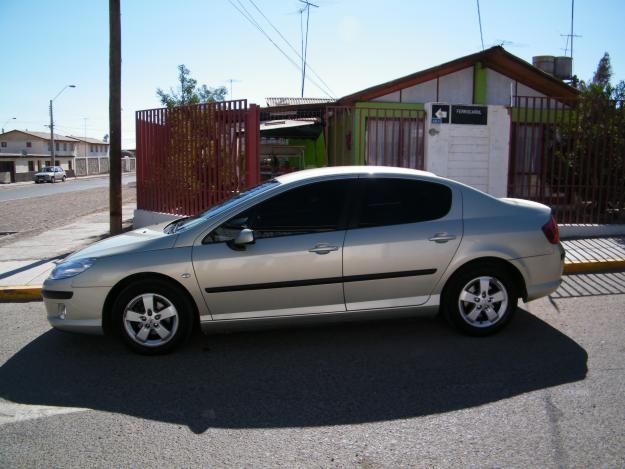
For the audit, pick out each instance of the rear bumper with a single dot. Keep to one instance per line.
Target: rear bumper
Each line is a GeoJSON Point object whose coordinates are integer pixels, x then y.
{"type": "Point", "coordinates": [542, 274]}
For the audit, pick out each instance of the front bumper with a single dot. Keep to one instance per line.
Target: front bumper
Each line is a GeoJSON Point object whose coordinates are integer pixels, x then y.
{"type": "Point", "coordinates": [82, 312]}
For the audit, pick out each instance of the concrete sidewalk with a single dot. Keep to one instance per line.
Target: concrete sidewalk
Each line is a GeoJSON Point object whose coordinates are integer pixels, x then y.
{"type": "Point", "coordinates": [26, 263]}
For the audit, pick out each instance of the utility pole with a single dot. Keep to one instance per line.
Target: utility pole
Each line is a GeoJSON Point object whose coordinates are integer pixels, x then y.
{"type": "Point", "coordinates": [305, 45]}
{"type": "Point", "coordinates": [52, 145]}
{"type": "Point", "coordinates": [52, 153]}
{"type": "Point", "coordinates": [115, 111]}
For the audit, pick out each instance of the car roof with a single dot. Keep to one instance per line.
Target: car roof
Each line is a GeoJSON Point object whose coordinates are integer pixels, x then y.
{"type": "Point", "coordinates": [345, 170]}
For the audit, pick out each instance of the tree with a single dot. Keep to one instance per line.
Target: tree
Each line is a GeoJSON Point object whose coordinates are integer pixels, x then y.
{"type": "Point", "coordinates": [604, 72]}
{"type": "Point", "coordinates": [188, 91]}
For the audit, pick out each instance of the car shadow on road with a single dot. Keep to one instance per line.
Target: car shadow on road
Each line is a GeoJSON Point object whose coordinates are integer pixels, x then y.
{"type": "Point", "coordinates": [345, 374]}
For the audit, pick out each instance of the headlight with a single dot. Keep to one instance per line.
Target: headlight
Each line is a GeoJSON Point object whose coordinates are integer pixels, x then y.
{"type": "Point", "coordinates": [71, 268]}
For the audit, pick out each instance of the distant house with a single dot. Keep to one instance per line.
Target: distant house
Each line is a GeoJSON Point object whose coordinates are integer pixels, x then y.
{"type": "Point", "coordinates": [91, 147]}
{"type": "Point", "coordinates": [23, 153]}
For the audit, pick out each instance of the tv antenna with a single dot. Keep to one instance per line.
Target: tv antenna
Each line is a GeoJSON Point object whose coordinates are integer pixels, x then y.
{"type": "Point", "coordinates": [304, 44]}
{"type": "Point", "coordinates": [231, 81]}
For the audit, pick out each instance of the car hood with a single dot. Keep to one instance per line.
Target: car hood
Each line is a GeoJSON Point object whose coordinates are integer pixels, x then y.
{"type": "Point", "coordinates": [43, 174]}
{"type": "Point", "coordinates": [144, 239]}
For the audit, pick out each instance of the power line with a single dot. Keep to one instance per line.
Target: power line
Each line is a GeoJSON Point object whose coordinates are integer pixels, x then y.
{"type": "Point", "coordinates": [257, 26]}
{"type": "Point", "coordinates": [301, 56]}
{"type": "Point", "coordinates": [479, 19]}
{"type": "Point", "coordinates": [255, 23]}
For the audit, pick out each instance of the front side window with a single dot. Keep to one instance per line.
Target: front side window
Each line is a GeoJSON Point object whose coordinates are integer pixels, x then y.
{"type": "Point", "coordinates": [314, 208]}
{"type": "Point", "coordinates": [388, 201]}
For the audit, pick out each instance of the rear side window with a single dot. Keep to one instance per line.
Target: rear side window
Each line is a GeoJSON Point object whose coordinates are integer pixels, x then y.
{"type": "Point", "coordinates": [398, 201]}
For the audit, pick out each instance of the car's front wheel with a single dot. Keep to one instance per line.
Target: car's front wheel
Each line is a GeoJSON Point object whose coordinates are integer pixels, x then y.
{"type": "Point", "coordinates": [480, 300]}
{"type": "Point", "coordinates": [153, 316]}
{"type": "Point", "coordinates": [63, 179]}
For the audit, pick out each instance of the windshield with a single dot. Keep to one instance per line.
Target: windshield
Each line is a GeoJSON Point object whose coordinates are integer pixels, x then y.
{"type": "Point", "coordinates": [48, 169]}
{"type": "Point", "coordinates": [188, 222]}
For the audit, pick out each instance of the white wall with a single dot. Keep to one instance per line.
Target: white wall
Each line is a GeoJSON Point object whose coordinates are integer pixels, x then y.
{"type": "Point", "coordinates": [476, 155]}
{"type": "Point", "coordinates": [456, 87]}
{"type": "Point", "coordinates": [421, 93]}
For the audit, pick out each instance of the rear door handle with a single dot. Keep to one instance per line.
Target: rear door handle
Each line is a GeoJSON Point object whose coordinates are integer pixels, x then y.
{"type": "Point", "coordinates": [323, 248]}
{"type": "Point", "coordinates": [442, 237]}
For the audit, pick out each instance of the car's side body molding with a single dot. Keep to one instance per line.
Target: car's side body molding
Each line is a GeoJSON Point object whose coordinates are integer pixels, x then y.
{"type": "Point", "coordinates": [320, 281]}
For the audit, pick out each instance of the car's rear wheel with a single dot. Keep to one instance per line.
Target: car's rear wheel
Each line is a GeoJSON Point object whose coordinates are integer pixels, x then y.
{"type": "Point", "coordinates": [480, 300]}
{"type": "Point", "coordinates": [153, 316]}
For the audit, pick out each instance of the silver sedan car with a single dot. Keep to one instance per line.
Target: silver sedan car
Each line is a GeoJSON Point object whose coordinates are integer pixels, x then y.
{"type": "Point", "coordinates": [323, 244]}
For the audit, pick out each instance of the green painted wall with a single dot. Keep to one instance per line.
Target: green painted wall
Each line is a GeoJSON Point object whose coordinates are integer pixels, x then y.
{"type": "Point", "coordinates": [314, 150]}
{"type": "Point", "coordinates": [480, 84]}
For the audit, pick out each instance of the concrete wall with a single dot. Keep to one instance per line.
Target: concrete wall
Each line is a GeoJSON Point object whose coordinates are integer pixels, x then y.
{"type": "Point", "coordinates": [476, 155]}
{"type": "Point", "coordinates": [146, 218]}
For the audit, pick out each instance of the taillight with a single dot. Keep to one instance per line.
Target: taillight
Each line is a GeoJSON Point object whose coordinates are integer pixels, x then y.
{"type": "Point", "coordinates": [552, 233]}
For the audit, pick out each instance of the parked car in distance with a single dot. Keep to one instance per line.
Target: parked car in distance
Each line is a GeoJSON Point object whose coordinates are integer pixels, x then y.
{"type": "Point", "coordinates": [322, 244]}
{"type": "Point", "coordinates": [50, 174]}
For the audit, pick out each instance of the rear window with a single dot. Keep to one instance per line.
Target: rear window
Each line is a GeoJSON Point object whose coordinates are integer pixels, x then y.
{"type": "Point", "coordinates": [399, 201]}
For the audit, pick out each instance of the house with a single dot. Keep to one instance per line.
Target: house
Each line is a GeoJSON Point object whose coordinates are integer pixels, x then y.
{"type": "Point", "coordinates": [23, 153]}
{"type": "Point", "coordinates": [92, 156]}
{"type": "Point", "coordinates": [455, 119]}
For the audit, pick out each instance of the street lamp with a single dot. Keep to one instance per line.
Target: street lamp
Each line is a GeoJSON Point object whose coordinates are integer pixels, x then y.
{"type": "Point", "coordinates": [52, 149]}
{"type": "Point", "coordinates": [9, 119]}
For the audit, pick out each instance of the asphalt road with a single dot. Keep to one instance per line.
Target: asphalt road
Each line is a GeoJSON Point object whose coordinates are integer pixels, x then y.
{"type": "Point", "coordinates": [25, 191]}
{"type": "Point", "coordinates": [548, 391]}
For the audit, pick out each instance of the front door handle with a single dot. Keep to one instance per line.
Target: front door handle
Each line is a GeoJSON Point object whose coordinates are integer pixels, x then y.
{"type": "Point", "coordinates": [442, 237]}
{"type": "Point", "coordinates": [323, 248]}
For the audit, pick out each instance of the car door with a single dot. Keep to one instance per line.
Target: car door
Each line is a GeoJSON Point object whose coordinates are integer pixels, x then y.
{"type": "Point", "coordinates": [404, 234]}
{"type": "Point", "coordinates": [294, 266]}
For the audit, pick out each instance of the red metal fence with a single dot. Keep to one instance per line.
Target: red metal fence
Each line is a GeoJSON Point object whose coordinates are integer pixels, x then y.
{"type": "Point", "coordinates": [192, 157]}
{"type": "Point", "coordinates": [375, 135]}
{"type": "Point", "coordinates": [570, 155]}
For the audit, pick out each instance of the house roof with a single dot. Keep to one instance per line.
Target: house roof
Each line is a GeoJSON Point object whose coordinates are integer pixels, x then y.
{"type": "Point", "coordinates": [42, 135]}
{"type": "Point", "coordinates": [273, 102]}
{"type": "Point", "coordinates": [89, 140]}
{"type": "Point", "coordinates": [495, 58]}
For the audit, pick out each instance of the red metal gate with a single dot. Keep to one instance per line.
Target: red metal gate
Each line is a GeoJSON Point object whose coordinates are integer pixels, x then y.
{"type": "Point", "coordinates": [375, 135]}
{"type": "Point", "coordinates": [192, 157]}
{"type": "Point", "coordinates": [569, 154]}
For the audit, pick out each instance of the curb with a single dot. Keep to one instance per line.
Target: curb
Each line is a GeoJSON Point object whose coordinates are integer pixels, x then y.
{"type": "Point", "coordinates": [33, 293]}
{"type": "Point", "coordinates": [20, 293]}
{"type": "Point", "coordinates": [593, 266]}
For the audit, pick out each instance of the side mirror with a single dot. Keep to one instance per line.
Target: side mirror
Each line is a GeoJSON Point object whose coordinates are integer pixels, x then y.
{"type": "Point", "coordinates": [245, 237]}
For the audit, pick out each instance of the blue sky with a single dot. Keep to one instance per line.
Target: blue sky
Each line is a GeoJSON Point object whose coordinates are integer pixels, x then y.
{"type": "Point", "coordinates": [353, 44]}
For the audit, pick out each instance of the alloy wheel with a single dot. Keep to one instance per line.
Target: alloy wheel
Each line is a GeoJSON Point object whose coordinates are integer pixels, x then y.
{"type": "Point", "coordinates": [483, 301]}
{"type": "Point", "coordinates": [150, 320]}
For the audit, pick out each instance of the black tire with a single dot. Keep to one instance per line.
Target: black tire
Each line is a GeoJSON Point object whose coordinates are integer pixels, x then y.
{"type": "Point", "coordinates": [480, 315]}
{"type": "Point", "coordinates": [164, 295]}
{"type": "Point", "coordinates": [52, 180]}
{"type": "Point", "coordinates": [63, 179]}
